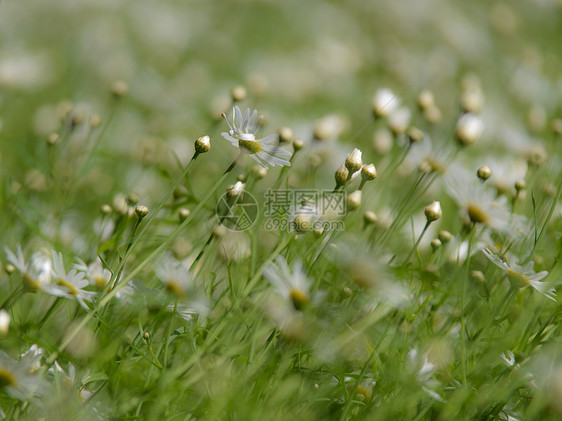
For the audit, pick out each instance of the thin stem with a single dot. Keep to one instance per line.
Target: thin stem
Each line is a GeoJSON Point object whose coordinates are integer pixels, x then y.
{"type": "Point", "coordinates": [417, 242]}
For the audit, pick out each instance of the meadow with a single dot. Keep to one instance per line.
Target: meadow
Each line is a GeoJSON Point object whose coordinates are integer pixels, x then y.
{"type": "Point", "coordinates": [259, 210]}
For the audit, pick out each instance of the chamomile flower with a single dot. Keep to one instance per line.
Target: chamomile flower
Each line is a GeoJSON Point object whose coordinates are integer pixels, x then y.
{"type": "Point", "coordinates": [36, 272]}
{"type": "Point", "coordinates": [95, 273]}
{"type": "Point", "coordinates": [522, 276]}
{"type": "Point", "coordinates": [175, 275]}
{"type": "Point", "coordinates": [19, 378]}
{"type": "Point", "coordinates": [480, 204]}
{"type": "Point", "coordinates": [68, 284]}
{"type": "Point", "coordinates": [291, 285]}
{"type": "Point", "coordinates": [242, 134]}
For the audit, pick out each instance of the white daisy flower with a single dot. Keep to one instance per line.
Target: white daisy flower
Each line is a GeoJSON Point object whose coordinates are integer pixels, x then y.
{"type": "Point", "coordinates": [68, 284]}
{"type": "Point", "coordinates": [175, 275]}
{"type": "Point", "coordinates": [522, 276]}
{"type": "Point", "coordinates": [384, 102]}
{"type": "Point", "coordinates": [71, 380]}
{"type": "Point", "coordinates": [293, 286]}
{"type": "Point", "coordinates": [242, 134]}
{"type": "Point", "coordinates": [36, 272]}
{"type": "Point", "coordinates": [480, 204]}
{"type": "Point", "coordinates": [18, 378]}
{"type": "Point", "coordinates": [95, 273]}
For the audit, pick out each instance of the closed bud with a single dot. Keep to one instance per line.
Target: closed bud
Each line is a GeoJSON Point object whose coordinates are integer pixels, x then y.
{"type": "Point", "coordinates": [53, 139]}
{"type": "Point", "coordinates": [433, 211]}
{"type": "Point", "coordinates": [432, 114]}
{"type": "Point", "coordinates": [106, 209]}
{"type": "Point", "coordinates": [477, 276]}
{"type": "Point", "coordinates": [425, 100]}
{"type": "Point", "coordinates": [369, 172]}
{"type": "Point", "coordinates": [354, 200]}
{"type": "Point", "coordinates": [415, 135]}
{"type": "Point", "coordinates": [259, 171]}
{"type": "Point", "coordinates": [132, 199]}
{"type": "Point", "coordinates": [435, 244]}
{"type": "Point", "coordinates": [183, 214]}
{"type": "Point", "coordinates": [444, 236]}
{"type": "Point", "coordinates": [353, 162]}
{"type": "Point", "coordinates": [370, 217]}
{"type": "Point", "coordinates": [119, 88]}
{"type": "Point", "coordinates": [146, 336]}
{"type": "Point", "coordinates": [520, 185]}
{"type": "Point", "coordinates": [298, 144]}
{"type": "Point", "coordinates": [484, 173]}
{"type": "Point", "coordinates": [219, 231]}
{"type": "Point", "coordinates": [203, 144]}
{"type": "Point", "coordinates": [4, 322]}
{"type": "Point", "coordinates": [286, 135]}
{"type": "Point", "coordinates": [238, 93]}
{"type": "Point", "coordinates": [341, 175]}
{"type": "Point", "coordinates": [95, 120]}
{"type": "Point", "coordinates": [141, 211]}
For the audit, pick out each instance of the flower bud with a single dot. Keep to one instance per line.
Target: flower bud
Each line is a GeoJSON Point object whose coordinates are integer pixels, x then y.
{"type": "Point", "coordinates": [341, 175]}
{"type": "Point", "coordinates": [53, 139]}
{"type": "Point", "coordinates": [444, 236]}
{"type": "Point", "coordinates": [286, 135]}
{"type": "Point", "coordinates": [238, 93]}
{"type": "Point", "coordinates": [354, 200]}
{"type": "Point", "coordinates": [203, 144]}
{"type": "Point", "coordinates": [433, 211]}
{"type": "Point", "coordinates": [259, 171]}
{"type": "Point", "coordinates": [520, 185]}
{"type": "Point", "coordinates": [432, 114]}
{"type": "Point", "coordinates": [425, 99]}
{"type": "Point", "coordinates": [183, 214]}
{"type": "Point", "coordinates": [146, 336]}
{"type": "Point", "coordinates": [369, 172]}
{"type": "Point", "coordinates": [399, 120]}
{"type": "Point", "coordinates": [472, 100]}
{"type": "Point", "coordinates": [477, 276]}
{"type": "Point", "coordinates": [4, 322]}
{"type": "Point", "coordinates": [370, 217]}
{"type": "Point", "coordinates": [415, 135]}
{"type": "Point", "coordinates": [298, 144]}
{"type": "Point", "coordinates": [132, 199]}
{"type": "Point", "coordinates": [95, 120]}
{"type": "Point", "coordinates": [435, 244]}
{"type": "Point", "coordinates": [353, 162]}
{"type": "Point", "coordinates": [469, 128]}
{"type": "Point", "coordinates": [119, 88]}
{"type": "Point", "coordinates": [141, 211]}
{"type": "Point", "coordinates": [484, 173]}
{"type": "Point", "coordinates": [106, 209]}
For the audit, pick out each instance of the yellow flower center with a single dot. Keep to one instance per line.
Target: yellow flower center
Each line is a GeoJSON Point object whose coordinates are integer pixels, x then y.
{"type": "Point", "coordinates": [65, 284]}
{"type": "Point", "coordinates": [363, 393]}
{"type": "Point", "coordinates": [477, 214]}
{"type": "Point", "coordinates": [516, 279]}
{"type": "Point", "coordinates": [100, 282]}
{"type": "Point", "coordinates": [251, 146]}
{"type": "Point", "coordinates": [299, 298]}
{"type": "Point", "coordinates": [6, 378]}
{"type": "Point", "coordinates": [175, 288]}
{"type": "Point", "coordinates": [29, 283]}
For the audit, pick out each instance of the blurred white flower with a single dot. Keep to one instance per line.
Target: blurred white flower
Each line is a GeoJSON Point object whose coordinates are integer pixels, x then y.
{"type": "Point", "coordinates": [291, 285]}
{"type": "Point", "coordinates": [19, 378]}
{"type": "Point", "coordinates": [242, 135]}
{"type": "Point", "coordinates": [36, 272]}
{"type": "Point", "coordinates": [522, 276]}
{"type": "Point", "coordinates": [384, 102]}
{"type": "Point", "coordinates": [68, 284]}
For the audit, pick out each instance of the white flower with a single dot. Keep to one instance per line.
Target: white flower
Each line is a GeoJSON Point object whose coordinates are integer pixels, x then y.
{"type": "Point", "coordinates": [68, 284]}
{"type": "Point", "coordinates": [36, 273]}
{"type": "Point", "coordinates": [242, 134]}
{"type": "Point", "coordinates": [384, 102]}
{"type": "Point", "coordinates": [71, 380]}
{"type": "Point", "coordinates": [95, 272]}
{"type": "Point", "coordinates": [18, 378]}
{"type": "Point", "coordinates": [399, 120]}
{"type": "Point", "coordinates": [480, 204]}
{"type": "Point", "coordinates": [293, 286]}
{"type": "Point", "coordinates": [469, 128]}
{"type": "Point", "coordinates": [522, 276]}
{"type": "Point", "coordinates": [174, 274]}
